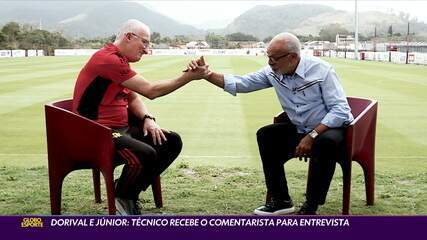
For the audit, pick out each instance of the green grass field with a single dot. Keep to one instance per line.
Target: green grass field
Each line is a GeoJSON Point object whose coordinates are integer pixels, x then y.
{"type": "Point", "coordinates": [219, 171]}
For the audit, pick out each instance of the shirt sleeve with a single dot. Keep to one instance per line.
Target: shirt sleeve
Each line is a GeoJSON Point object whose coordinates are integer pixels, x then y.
{"type": "Point", "coordinates": [116, 69]}
{"type": "Point", "coordinates": [339, 112]}
{"type": "Point", "coordinates": [248, 83]}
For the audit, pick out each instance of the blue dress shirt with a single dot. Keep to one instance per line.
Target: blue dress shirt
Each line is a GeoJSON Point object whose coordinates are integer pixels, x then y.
{"type": "Point", "coordinates": [312, 95]}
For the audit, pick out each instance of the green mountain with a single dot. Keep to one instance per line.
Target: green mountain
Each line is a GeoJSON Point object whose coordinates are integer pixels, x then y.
{"type": "Point", "coordinates": [102, 18]}
{"type": "Point", "coordinates": [89, 19]}
{"type": "Point", "coordinates": [305, 19]}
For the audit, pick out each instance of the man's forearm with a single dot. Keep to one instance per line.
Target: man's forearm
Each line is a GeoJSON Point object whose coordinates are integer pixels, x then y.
{"type": "Point", "coordinates": [163, 87]}
{"type": "Point", "coordinates": [137, 106]}
{"type": "Point", "coordinates": [216, 79]}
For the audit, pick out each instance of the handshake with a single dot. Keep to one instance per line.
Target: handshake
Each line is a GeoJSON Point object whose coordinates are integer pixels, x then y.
{"type": "Point", "coordinates": [197, 69]}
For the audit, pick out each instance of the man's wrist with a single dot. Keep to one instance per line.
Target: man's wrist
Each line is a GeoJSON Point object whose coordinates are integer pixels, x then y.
{"type": "Point", "coordinates": [313, 134]}
{"type": "Point", "coordinates": [148, 116]}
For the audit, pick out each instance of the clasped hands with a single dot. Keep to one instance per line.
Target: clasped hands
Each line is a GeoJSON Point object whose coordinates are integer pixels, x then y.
{"type": "Point", "coordinates": [198, 69]}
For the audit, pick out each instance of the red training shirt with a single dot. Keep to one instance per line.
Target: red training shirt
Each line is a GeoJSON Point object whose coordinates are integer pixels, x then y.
{"type": "Point", "coordinates": [98, 93]}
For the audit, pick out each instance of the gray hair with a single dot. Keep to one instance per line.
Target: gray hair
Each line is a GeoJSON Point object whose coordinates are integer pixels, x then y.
{"type": "Point", "coordinates": [131, 26]}
{"type": "Point", "coordinates": [293, 45]}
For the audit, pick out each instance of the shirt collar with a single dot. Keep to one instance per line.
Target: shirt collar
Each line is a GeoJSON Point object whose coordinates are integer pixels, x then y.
{"type": "Point", "coordinates": [114, 48]}
{"type": "Point", "coordinates": [301, 68]}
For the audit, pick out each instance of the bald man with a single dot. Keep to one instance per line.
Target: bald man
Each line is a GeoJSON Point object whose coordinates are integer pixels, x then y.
{"type": "Point", "coordinates": [107, 88]}
{"type": "Point", "coordinates": [313, 99]}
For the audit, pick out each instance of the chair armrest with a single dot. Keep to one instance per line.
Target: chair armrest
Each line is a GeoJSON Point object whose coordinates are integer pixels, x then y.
{"type": "Point", "coordinates": [72, 136]}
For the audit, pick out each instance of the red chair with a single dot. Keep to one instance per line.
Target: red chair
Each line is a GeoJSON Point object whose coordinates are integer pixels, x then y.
{"type": "Point", "coordinates": [360, 147]}
{"type": "Point", "coordinates": [75, 142]}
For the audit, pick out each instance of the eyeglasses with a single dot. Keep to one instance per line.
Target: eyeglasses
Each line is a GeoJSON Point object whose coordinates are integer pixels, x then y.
{"type": "Point", "coordinates": [144, 41]}
{"type": "Point", "coordinates": [276, 59]}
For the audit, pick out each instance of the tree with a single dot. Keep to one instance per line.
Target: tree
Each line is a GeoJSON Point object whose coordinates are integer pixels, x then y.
{"type": "Point", "coordinates": [390, 30]}
{"type": "Point", "coordinates": [2, 40]}
{"type": "Point", "coordinates": [155, 37]}
{"type": "Point", "coordinates": [180, 39]}
{"type": "Point", "coordinates": [267, 39]}
{"type": "Point", "coordinates": [329, 32]}
{"type": "Point", "coordinates": [308, 38]}
{"type": "Point", "coordinates": [12, 30]}
{"type": "Point", "coordinates": [215, 41]}
{"type": "Point", "coordinates": [166, 40]}
{"type": "Point", "coordinates": [240, 37]}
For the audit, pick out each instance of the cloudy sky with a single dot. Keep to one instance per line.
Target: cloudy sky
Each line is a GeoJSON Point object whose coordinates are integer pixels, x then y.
{"type": "Point", "coordinates": [220, 12]}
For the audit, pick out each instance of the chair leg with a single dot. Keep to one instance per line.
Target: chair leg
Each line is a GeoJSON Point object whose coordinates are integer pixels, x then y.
{"type": "Point", "coordinates": [369, 173]}
{"type": "Point", "coordinates": [109, 185]}
{"type": "Point", "coordinates": [55, 187]}
{"type": "Point", "coordinates": [96, 185]}
{"type": "Point", "coordinates": [346, 170]}
{"type": "Point", "coordinates": [157, 192]}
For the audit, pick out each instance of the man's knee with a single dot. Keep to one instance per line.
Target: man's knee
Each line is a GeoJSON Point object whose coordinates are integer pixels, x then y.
{"type": "Point", "coordinates": [174, 141]}
{"type": "Point", "coordinates": [265, 133]}
{"type": "Point", "coordinates": [275, 131]}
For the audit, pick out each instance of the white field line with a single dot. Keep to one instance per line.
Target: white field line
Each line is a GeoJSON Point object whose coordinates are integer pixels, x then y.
{"type": "Point", "coordinates": [205, 156]}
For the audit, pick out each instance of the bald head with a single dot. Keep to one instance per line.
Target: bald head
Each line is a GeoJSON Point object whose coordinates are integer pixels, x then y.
{"type": "Point", "coordinates": [131, 26]}
{"type": "Point", "coordinates": [286, 42]}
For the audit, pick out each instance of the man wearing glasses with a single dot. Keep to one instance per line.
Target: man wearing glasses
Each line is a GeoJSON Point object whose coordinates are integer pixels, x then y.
{"type": "Point", "coordinates": [310, 94]}
{"type": "Point", "coordinates": [107, 88]}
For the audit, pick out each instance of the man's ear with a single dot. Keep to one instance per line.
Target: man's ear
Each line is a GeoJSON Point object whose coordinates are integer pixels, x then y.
{"type": "Point", "coordinates": [128, 36]}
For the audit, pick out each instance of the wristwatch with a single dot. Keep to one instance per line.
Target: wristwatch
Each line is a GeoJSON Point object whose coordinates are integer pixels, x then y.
{"type": "Point", "coordinates": [313, 134]}
{"type": "Point", "coordinates": [149, 117]}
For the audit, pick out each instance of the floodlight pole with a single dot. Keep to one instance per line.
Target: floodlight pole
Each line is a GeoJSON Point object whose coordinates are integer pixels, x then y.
{"type": "Point", "coordinates": [407, 45]}
{"type": "Point", "coordinates": [356, 32]}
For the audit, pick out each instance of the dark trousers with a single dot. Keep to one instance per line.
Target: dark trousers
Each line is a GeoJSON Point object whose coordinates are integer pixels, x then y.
{"type": "Point", "coordinates": [277, 143]}
{"type": "Point", "coordinates": [143, 160]}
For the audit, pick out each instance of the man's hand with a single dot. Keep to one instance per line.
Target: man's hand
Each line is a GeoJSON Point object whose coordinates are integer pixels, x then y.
{"type": "Point", "coordinates": [151, 127]}
{"type": "Point", "coordinates": [193, 64]}
{"type": "Point", "coordinates": [303, 150]}
{"type": "Point", "coordinates": [198, 69]}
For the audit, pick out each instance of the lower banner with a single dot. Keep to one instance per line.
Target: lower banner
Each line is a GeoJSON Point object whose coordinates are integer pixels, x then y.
{"type": "Point", "coordinates": [212, 227]}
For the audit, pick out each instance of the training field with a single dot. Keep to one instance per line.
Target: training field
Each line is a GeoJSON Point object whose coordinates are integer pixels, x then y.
{"type": "Point", "coordinates": [219, 171]}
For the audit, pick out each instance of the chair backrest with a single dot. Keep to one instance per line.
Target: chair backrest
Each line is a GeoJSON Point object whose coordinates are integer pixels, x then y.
{"type": "Point", "coordinates": [360, 135]}
{"type": "Point", "coordinates": [358, 105]}
{"type": "Point", "coordinates": [75, 139]}
{"type": "Point", "coordinates": [66, 104]}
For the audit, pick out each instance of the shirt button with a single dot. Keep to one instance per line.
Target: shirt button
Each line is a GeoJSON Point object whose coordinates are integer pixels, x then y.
{"type": "Point", "coordinates": [297, 105]}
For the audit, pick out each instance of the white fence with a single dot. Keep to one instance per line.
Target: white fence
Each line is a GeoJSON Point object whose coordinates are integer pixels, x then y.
{"type": "Point", "coordinates": [75, 52]}
{"type": "Point", "coordinates": [172, 52]}
{"type": "Point", "coordinates": [394, 57]}
{"type": "Point", "coordinates": [21, 53]}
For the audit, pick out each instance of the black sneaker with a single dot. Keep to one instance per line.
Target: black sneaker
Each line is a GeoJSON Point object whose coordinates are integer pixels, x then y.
{"type": "Point", "coordinates": [126, 207]}
{"type": "Point", "coordinates": [308, 209]}
{"type": "Point", "coordinates": [275, 208]}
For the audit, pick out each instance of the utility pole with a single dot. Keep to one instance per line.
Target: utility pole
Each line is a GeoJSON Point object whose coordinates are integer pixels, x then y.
{"type": "Point", "coordinates": [407, 45]}
{"type": "Point", "coordinates": [375, 42]}
{"type": "Point", "coordinates": [356, 32]}
{"type": "Point", "coordinates": [375, 39]}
